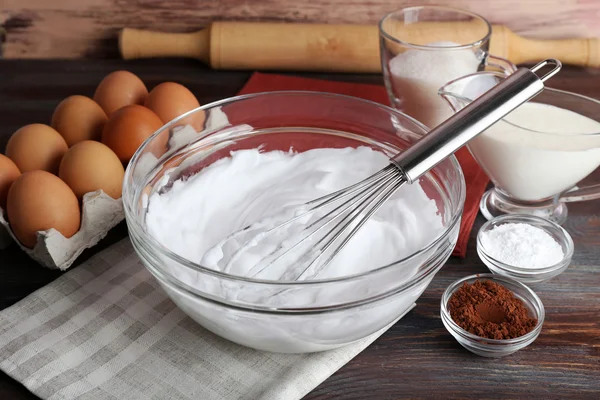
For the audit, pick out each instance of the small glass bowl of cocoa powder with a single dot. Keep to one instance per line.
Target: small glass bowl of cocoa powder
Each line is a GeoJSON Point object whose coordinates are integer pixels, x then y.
{"type": "Point", "coordinates": [492, 315]}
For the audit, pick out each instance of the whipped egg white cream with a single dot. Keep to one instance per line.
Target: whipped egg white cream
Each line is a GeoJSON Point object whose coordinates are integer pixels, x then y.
{"type": "Point", "coordinates": [194, 216]}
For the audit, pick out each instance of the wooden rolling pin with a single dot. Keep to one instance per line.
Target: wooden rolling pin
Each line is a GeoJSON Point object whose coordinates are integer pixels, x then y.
{"type": "Point", "coordinates": [336, 48]}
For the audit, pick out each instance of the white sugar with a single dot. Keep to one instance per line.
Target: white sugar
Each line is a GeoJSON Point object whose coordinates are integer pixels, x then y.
{"type": "Point", "coordinates": [418, 74]}
{"type": "Point", "coordinates": [522, 245]}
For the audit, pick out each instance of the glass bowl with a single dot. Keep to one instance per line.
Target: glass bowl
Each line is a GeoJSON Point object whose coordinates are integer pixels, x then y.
{"type": "Point", "coordinates": [315, 315]}
{"type": "Point", "coordinates": [519, 272]}
{"type": "Point", "coordinates": [492, 347]}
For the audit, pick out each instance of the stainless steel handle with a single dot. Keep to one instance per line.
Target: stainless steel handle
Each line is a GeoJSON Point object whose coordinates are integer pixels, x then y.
{"type": "Point", "coordinates": [486, 110]}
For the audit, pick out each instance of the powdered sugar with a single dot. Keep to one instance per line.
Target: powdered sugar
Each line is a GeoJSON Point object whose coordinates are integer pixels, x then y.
{"type": "Point", "coordinates": [522, 245]}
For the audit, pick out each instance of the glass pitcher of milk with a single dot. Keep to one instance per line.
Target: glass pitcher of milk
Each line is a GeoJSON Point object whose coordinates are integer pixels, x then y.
{"type": "Point", "coordinates": [538, 154]}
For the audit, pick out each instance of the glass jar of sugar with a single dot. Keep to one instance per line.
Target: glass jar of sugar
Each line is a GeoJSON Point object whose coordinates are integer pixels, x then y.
{"type": "Point", "coordinates": [425, 47]}
{"type": "Point", "coordinates": [527, 248]}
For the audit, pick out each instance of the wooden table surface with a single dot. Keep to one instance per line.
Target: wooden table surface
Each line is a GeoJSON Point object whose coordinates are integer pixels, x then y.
{"type": "Point", "coordinates": [416, 358]}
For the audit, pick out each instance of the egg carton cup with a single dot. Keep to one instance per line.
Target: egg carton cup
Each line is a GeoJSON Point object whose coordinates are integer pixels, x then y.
{"type": "Point", "coordinates": [100, 214]}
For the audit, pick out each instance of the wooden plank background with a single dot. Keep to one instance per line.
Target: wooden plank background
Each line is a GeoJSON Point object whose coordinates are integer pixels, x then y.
{"type": "Point", "coordinates": [88, 28]}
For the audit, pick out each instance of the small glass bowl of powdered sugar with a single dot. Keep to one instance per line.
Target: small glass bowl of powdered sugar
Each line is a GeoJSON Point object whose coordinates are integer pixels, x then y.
{"type": "Point", "coordinates": [526, 248]}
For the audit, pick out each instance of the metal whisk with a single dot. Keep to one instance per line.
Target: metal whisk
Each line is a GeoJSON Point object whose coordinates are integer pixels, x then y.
{"type": "Point", "coordinates": [311, 236]}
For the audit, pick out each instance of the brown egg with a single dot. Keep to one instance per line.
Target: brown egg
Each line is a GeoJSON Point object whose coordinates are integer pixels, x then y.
{"type": "Point", "coordinates": [38, 201]}
{"type": "Point", "coordinates": [169, 100]}
{"type": "Point", "coordinates": [89, 166]}
{"type": "Point", "coordinates": [127, 129]}
{"type": "Point", "coordinates": [79, 118]}
{"type": "Point", "coordinates": [36, 147]}
{"type": "Point", "coordinates": [9, 172]}
{"type": "Point", "coordinates": [120, 89]}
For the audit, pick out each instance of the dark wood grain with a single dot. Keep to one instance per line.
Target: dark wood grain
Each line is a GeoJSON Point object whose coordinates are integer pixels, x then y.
{"type": "Point", "coordinates": [416, 358]}
{"type": "Point", "coordinates": [88, 29]}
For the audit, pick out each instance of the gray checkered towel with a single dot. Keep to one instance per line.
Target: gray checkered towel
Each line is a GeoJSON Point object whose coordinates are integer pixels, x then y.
{"type": "Point", "coordinates": [105, 330]}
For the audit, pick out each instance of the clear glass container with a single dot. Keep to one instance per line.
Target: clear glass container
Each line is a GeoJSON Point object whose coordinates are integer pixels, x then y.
{"type": "Point", "coordinates": [493, 347]}
{"type": "Point", "coordinates": [424, 47]}
{"type": "Point", "coordinates": [316, 314]}
{"type": "Point", "coordinates": [522, 273]}
{"type": "Point", "coordinates": [542, 155]}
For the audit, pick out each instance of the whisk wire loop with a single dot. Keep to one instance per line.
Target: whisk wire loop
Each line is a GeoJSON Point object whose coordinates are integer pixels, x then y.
{"type": "Point", "coordinates": [354, 221]}
{"type": "Point", "coordinates": [363, 190]}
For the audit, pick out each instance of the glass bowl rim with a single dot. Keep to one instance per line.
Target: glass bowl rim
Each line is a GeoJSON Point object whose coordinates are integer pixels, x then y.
{"type": "Point", "coordinates": [133, 224]}
{"type": "Point", "coordinates": [525, 291]}
{"type": "Point", "coordinates": [565, 239]}
{"type": "Point", "coordinates": [388, 36]}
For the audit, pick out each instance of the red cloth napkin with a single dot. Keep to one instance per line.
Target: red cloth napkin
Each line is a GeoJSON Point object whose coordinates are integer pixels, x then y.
{"type": "Point", "coordinates": [475, 178]}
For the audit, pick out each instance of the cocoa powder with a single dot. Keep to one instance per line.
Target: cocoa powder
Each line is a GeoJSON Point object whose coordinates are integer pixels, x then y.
{"type": "Point", "coordinates": [488, 309]}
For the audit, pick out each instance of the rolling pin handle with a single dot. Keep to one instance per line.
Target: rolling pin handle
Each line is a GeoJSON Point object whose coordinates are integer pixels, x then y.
{"type": "Point", "coordinates": [139, 43]}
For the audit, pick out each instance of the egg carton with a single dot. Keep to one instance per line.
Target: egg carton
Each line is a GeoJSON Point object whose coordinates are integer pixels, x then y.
{"type": "Point", "coordinates": [100, 214]}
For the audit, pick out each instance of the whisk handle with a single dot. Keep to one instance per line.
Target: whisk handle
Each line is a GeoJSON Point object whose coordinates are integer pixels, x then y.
{"type": "Point", "coordinates": [473, 119]}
